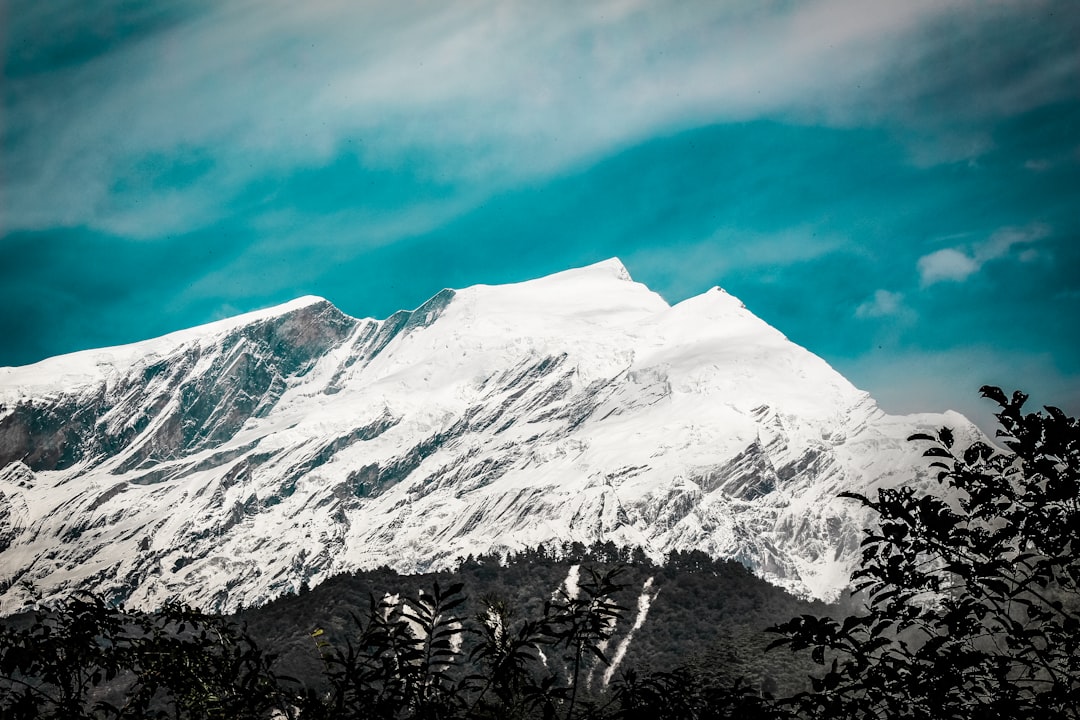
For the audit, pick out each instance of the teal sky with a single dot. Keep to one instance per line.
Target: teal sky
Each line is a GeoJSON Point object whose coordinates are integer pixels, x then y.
{"type": "Point", "coordinates": [895, 186]}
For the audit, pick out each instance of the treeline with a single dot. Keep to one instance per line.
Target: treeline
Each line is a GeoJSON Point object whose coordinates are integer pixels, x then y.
{"type": "Point", "coordinates": [606, 552]}
{"type": "Point", "coordinates": [968, 606]}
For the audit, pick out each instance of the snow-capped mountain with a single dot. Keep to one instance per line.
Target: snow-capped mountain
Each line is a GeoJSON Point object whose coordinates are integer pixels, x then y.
{"type": "Point", "coordinates": [225, 464]}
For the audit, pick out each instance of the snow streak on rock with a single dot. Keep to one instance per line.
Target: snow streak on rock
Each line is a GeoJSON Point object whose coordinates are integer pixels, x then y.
{"type": "Point", "coordinates": [645, 600]}
{"type": "Point", "coordinates": [569, 589]}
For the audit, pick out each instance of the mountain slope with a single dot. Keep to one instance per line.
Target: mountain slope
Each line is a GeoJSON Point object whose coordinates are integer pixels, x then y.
{"type": "Point", "coordinates": [230, 462]}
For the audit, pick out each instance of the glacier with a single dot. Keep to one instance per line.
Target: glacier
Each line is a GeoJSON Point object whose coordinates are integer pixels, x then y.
{"type": "Point", "coordinates": [226, 464]}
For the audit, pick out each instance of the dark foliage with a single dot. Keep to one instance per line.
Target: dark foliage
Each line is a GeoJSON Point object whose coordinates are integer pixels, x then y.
{"type": "Point", "coordinates": [972, 602]}
{"type": "Point", "coordinates": [85, 659]}
{"type": "Point", "coordinates": [421, 658]}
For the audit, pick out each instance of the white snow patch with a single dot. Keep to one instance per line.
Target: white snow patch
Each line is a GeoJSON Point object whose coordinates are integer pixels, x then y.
{"type": "Point", "coordinates": [645, 600]}
{"type": "Point", "coordinates": [569, 588]}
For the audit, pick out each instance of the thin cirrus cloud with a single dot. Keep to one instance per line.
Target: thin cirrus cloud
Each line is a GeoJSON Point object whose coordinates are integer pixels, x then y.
{"type": "Point", "coordinates": [883, 304]}
{"type": "Point", "coordinates": [957, 264]}
{"type": "Point", "coordinates": [480, 95]}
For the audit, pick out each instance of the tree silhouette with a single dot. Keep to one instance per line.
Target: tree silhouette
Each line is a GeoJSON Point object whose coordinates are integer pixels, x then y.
{"type": "Point", "coordinates": [972, 597]}
{"type": "Point", "coordinates": [86, 659]}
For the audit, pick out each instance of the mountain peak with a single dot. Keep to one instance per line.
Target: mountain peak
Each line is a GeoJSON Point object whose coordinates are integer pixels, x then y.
{"type": "Point", "coordinates": [612, 266]}
{"type": "Point", "coordinates": [605, 270]}
{"type": "Point", "coordinates": [254, 316]}
{"type": "Point", "coordinates": [285, 307]}
{"type": "Point", "coordinates": [230, 462]}
{"type": "Point", "coordinates": [567, 302]}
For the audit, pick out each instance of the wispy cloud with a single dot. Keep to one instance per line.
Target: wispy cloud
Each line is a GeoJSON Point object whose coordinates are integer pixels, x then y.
{"type": "Point", "coordinates": [679, 271]}
{"type": "Point", "coordinates": [883, 304]}
{"type": "Point", "coordinates": [480, 94]}
{"type": "Point", "coordinates": [959, 263]}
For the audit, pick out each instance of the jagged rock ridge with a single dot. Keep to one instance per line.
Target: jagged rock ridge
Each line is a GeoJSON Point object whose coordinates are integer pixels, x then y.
{"type": "Point", "coordinates": [230, 462]}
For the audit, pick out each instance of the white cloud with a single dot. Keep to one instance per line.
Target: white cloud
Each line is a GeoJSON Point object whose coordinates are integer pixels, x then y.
{"type": "Point", "coordinates": [959, 263]}
{"type": "Point", "coordinates": [882, 304]}
{"type": "Point", "coordinates": [1003, 241]}
{"type": "Point", "coordinates": [947, 264]}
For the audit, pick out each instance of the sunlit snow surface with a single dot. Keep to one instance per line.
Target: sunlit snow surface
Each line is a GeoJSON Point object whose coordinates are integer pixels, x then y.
{"type": "Point", "coordinates": [225, 464]}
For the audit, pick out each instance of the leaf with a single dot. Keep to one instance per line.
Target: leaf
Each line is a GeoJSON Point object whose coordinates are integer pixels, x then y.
{"type": "Point", "coordinates": [855, 496]}
{"type": "Point", "coordinates": [1056, 413]}
{"type": "Point", "coordinates": [599, 653]}
{"type": "Point", "coordinates": [448, 606]}
{"type": "Point", "coordinates": [780, 642]}
{"type": "Point", "coordinates": [992, 392]}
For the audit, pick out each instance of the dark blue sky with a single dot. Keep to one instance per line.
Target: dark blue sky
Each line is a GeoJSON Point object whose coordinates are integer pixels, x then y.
{"type": "Point", "coordinates": [893, 185]}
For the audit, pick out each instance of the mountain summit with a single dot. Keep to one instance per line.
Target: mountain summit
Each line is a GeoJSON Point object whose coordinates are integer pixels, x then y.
{"type": "Point", "coordinates": [228, 463]}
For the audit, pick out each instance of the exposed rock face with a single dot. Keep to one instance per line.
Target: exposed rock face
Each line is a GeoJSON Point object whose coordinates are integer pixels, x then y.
{"type": "Point", "coordinates": [194, 398]}
{"type": "Point", "coordinates": [228, 463]}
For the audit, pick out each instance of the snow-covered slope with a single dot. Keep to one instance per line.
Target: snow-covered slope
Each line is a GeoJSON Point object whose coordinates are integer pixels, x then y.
{"type": "Point", "coordinates": [228, 463]}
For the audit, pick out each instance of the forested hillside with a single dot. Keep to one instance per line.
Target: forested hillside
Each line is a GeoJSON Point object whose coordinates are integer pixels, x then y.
{"type": "Point", "coordinates": [704, 614]}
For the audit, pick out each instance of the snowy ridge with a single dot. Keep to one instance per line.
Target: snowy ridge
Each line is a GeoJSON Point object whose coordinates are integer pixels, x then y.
{"type": "Point", "coordinates": [230, 462]}
{"type": "Point", "coordinates": [65, 372]}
